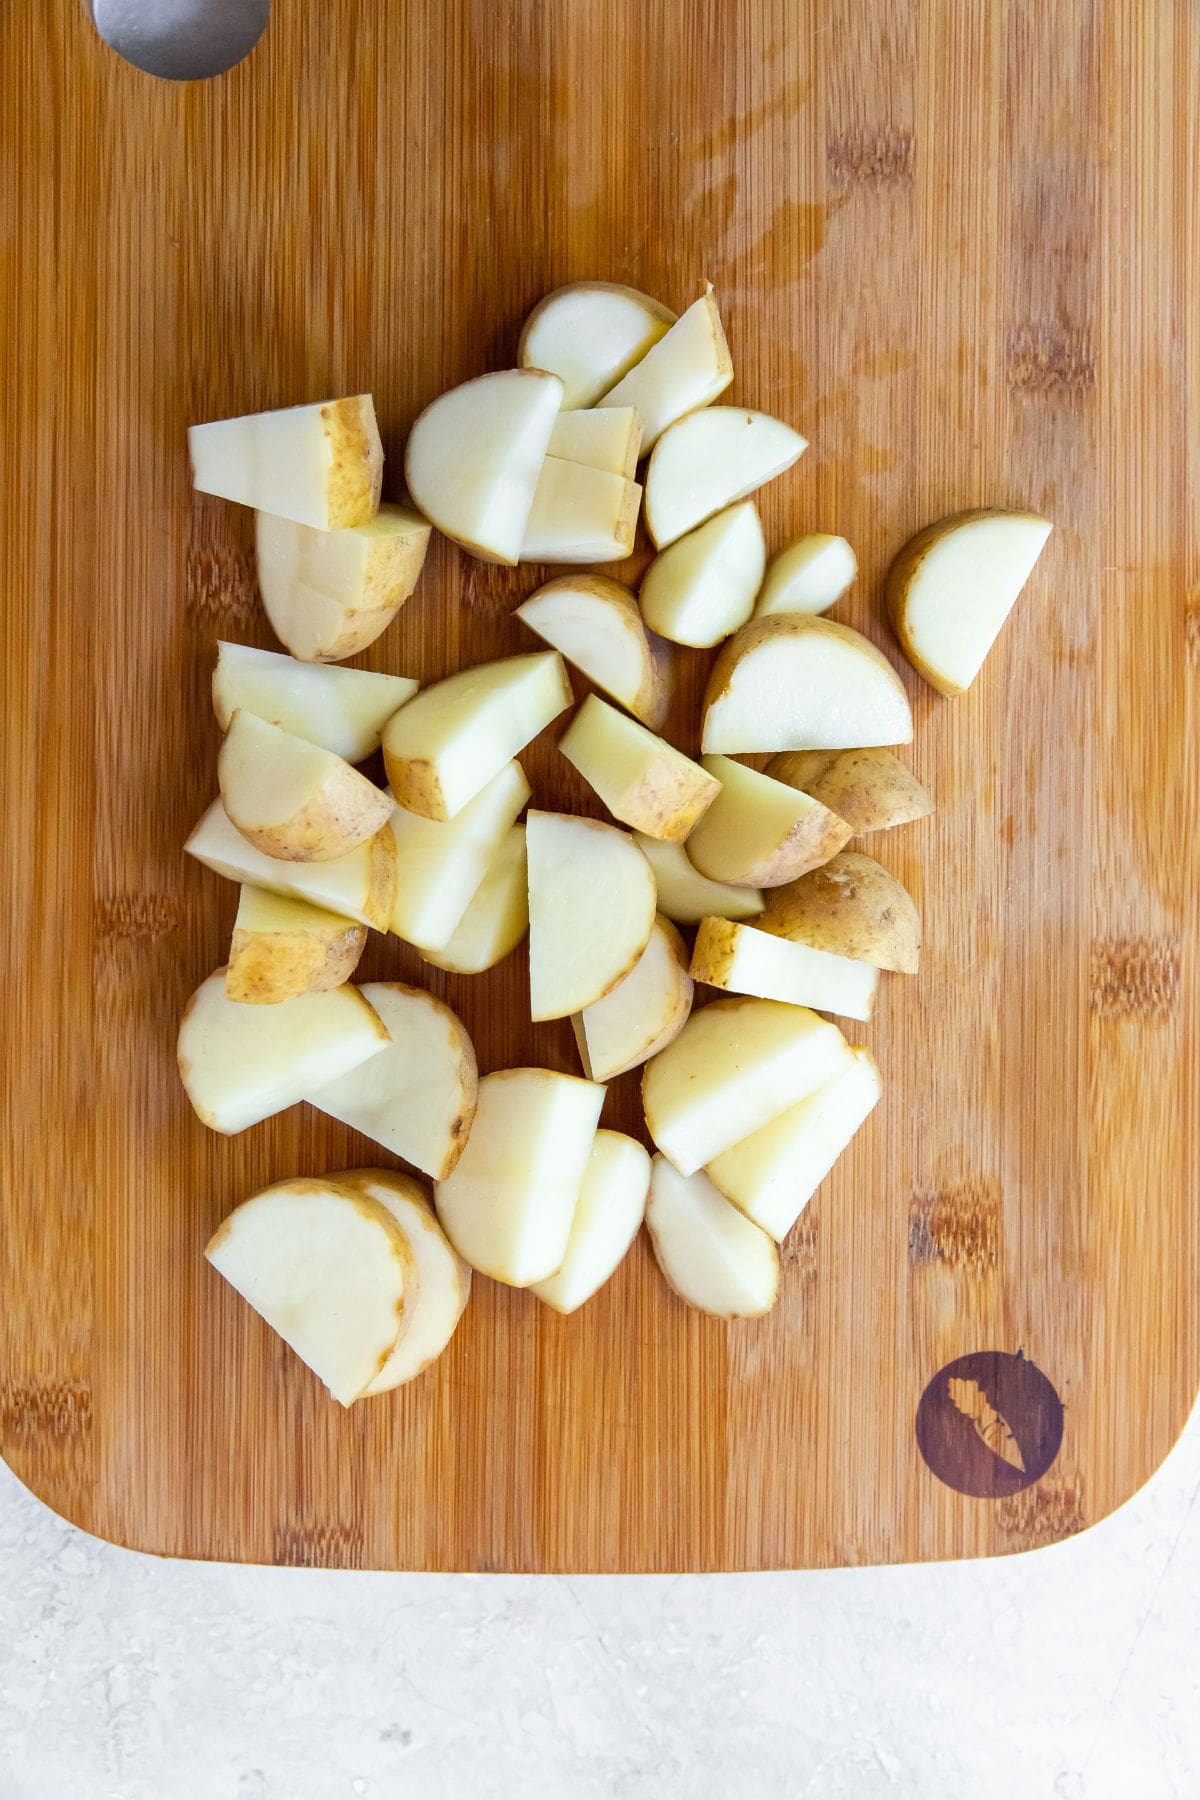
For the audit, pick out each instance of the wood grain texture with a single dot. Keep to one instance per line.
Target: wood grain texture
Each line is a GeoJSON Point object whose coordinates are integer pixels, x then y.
{"type": "Point", "coordinates": [956, 245]}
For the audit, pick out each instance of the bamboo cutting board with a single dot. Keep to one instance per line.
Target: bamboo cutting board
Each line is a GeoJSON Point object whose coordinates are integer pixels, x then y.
{"type": "Point", "coordinates": [955, 242]}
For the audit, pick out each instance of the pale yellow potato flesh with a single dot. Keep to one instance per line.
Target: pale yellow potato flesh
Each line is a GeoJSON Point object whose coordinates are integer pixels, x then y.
{"type": "Point", "coordinates": [497, 918]}
{"type": "Point", "coordinates": [328, 1269]}
{"type": "Point", "coordinates": [442, 864]}
{"type": "Point", "coordinates": [282, 947]}
{"type": "Point", "coordinates": [687, 368]}
{"type": "Point", "coordinates": [702, 587]}
{"type": "Point", "coordinates": [810, 576]}
{"type": "Point", "coordinates": [474, 456]}
{"type": "Point", "coordinates": [329, 594]}
{"type": "Point", "coordinates": [580, 515]}
{"type": "Point", "coordinates": [704, 462]}
{"type": "Point", "coordinates": [742, 959]}
{"type": "Point", "coordinates": [291, 799]}
{"type": "Point", "coordinates": [597, 625]}
{"type": "Point", "coordinates": [608, 1215]}
{"type": "Point", "coordinates": [603, 437]}
{"type": "Point", "coordinates": [687, 896]}
{"type": "Point", "coordinates": [643, 1014]}
{"type": "Point", "coordinates": [871, 789]}
{"type": "Point", "coordinates": [342, 710]}
{"type": "Point", "coordinates": [591, 911]}
{"type": "Point", "coordinates": [509, 1205]}
{"type": "Point", "coordinates": [851, 907]}
{"type": "Point", "coordinates": [644, 781]}
{"type": "Point", "coordinates": [361, 885]}
{"type": "Point", "coordinates": [713, 1257]}
{"type": "Point", "coordinates": [735, 1065]}
{"type": "Point", "coordinates": [796, 683]}
{"type": "Point", "coordinates": [455, 736]}
{"type": "Point", "coordinates": [441, 1285]}
{"type": "Point", "coordinates": [320, 464]}
{"type": "Point", "coordinates": [589, 334]}
{"type": "Point", "coordinates": [759, 832]}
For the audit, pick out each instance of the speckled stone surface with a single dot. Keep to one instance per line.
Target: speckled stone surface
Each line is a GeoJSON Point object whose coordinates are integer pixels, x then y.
{"type": "Point", "coordinates": [1071, 1673]}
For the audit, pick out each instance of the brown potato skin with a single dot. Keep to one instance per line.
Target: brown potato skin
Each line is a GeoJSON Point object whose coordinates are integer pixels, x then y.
{"type": "Point", "coordinates": [810, 842]}
{"type": "Point", "coordinates": [266, 967]}
{"type": "Point", "coordinates": [871, 789]}
{"type": "Point", "coordinates": [852, 907]}
{"type": "Point", "coordinates": [712, 953]}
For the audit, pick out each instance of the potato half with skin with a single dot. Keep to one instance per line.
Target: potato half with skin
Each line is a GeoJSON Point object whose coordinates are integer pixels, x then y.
{"type": "Point", "coordinates": [871, 789]}
{"type": "Point", "coordinates": [735, 1065]}
{"type": "Point", "coordinates": [591, 911]}
{"type": "Point", "coordinates": [320, 464]}
{"type": "Point", "coordinates": [417, 1099]}
{"type": "Point", "coordinates": [759, 832]}
{"type": "Point", "coordinates": [343, 710]}
{"type": "Point", "coordinates": [361, 885]}
{"type": "Point", "coordinates": [497, 918]}
{"type": "Point", "coordinates": [597, 625]}
{"type": "Point", "coordinates": [687, 368]}
{"type": "Point", "coordinates": [474, 456]}
{"type": "Point", "coordinates": [704, 462]}
{"type": "Point", "coordinates": [441, 1286]}
{"type": "Point", "coordinates": [741, 959]}
{"type": "Point", "coordinates": [952, 586]}
{"type": "Point", "coordinates": [449, 742]}
{"type": "Point", "coordinates": [329, 594]}
{"type": "Point", "coordinates": [291, 799]}
{"type": "Point", "coordinates": [808, 577]}
{"type": "Point", "coordinates": [851, 907]}
{"type": "Point", "coordinates": [580, 515]}
{"type": "Point", "coordinates": [643, 1014]}
{"type": "Point", "coordinates": [282, 947]}
{"type": "Point", "coordinates": [796, 683]}
{"type": "Point", "coordinates": [608, 1214]}
{"type": "Point", "coordinates": [509, 1205]}
{"type": "Point", "coordinates": [442, 864]}
{"type": "Point", "coordinates": [687, 896]}
{"type": "Point", "coordinates": [603, 437]}
{"type": "Point", "coordinates": [589, 334]}
{"type": "Point", "coordinates": [702, 587]}
{"type": "Point", "coordinates": [328, 1269]}
{"type": "Point", "coordinates": [711, 1255]}
{"type": "Point", "coordinates": [644, 781]}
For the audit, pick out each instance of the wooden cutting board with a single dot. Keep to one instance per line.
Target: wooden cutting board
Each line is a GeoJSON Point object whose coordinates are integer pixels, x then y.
{"type": "Point", "coordinates": [956, 244]}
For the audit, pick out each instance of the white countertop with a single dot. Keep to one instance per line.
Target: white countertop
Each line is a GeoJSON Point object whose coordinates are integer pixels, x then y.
{"type": "Point", "coordinates": [1069, 1673]}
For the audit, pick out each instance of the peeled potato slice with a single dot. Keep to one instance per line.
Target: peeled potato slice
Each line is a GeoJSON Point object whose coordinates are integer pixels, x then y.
{"type": "Point", "coordinates": [596, 624]}
{"type": "Point", "coordinates": [343, 710]}
{"type": "Point", "coordinates": [709, 1252]}
{"type": "Point", "coordinates": [643, 1014]}
{"type": "Point", "coordinates": [687, 896]}
{"type": "Point", "coordinates": [706, 461]}
{"type": "Point", "coordinates": [793, 683]}
{"type": "Point", "coordinates": [360, 885]}
{"type": "Point", "coordinates": [442, 864]}
{"type": "Point", "coordinates": [644, 781]}
{"type": "Point", "coordinates": [608, 1213]}
{"type": "Point", "coordinates": [743, 959]}
{"type": "Point", "coordinates": [320, 465]}
{"type": "Point", "coordinates": [759, 832]}
{"type": "Point", "coordinates": [580, 515]}
{"type": "Point", "coordinates": [441, 1285]}
{"type": "Point", "coordinates": [603, 437]}
{"type": "Point", "coordinates": [702, 587]}
{"type": "Point", "coordinates": [497, 918]}
{"type": "Point", "coordinates": [589, 334]}
{"type": "Point", "coordinates": [687, 368]}
{"type": "Point", "coordinates": [591, 911]}
{"type": "Point", "coordinates": [853, 907]}
{"type": "Point", "coordinates": [871, 789]}
{"type": "Point", "coordinates": [326, 1268]}
{"type": "Point", "coordinates": [282, 948]}
{"type": "Point", "coordinates": [329, 594]}
{"type": "Point", "coordinates": [808, 577]}
{"type": "Point", "coordinates": [291, 799]}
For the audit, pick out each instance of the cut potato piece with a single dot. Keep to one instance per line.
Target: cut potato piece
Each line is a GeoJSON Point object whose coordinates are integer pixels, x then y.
{"type": "Point", "coordinates": [441, 865]}
{"type": "Point", "coordinates": [608, 1214]}
{"type": "Point", "coordinates": [871, 789]}
{"type": "Point", "coordinates": [702, 588]}
{"type": "Point", "coordinates": [795, 683]}
{"type": "Point", "coordinates": [603, 437]}
{"type": "Point", "coordinates": [449, 742]}
{"type": "Point", "coordinates": [710, 1253]}
{"type": "Point", "coordinates": [597, 625]}
{"type": "Point", "coordinates": [772, 1175]}
{"type": "Point", "coordinates": [591, 911]}
{"type": "Point", "coordinates": [735, 1065]}
{"type": "Point", "coordinates": [952, 587]}
{"type": "Point", "coordinates": [284, 947]}
{"type": "Point", "coordinates": [343, 710]}
{"type": "Point", "coordinates": [474, 457]}
{"type": "Point", "coordinates": [497, 918]}
{"type": "Point", "coordinates": [580, 515]}
{"type": "Point", "coordinates": [441, 1286]}
{"type": "Point", "coordinates": [851, 906]}
{"type": "Point", "coordinates": [808, 577]}
{"type": "Point", "coordinates": [291, 799]}
{"type": "Point", "coordinates": [704, 462]}
{"type": "Point", "coordinates": [643, 1014]}
{"type": "Point", "coordinates": [589, 334]}
{"type": "Point", "coordinates": [759, 832]}
{"type": "Point", "coordinates": [240, 1064]}
{"type": "Point", "coordinates": [509, 1205]}
{"type": "Point", "coordinates": [320, 465]}
{"type": "Point", "coordinates": [417, 1099]}
{"type": "Point", "coordinates": [328, 594]}
{"type": "Point", "coordinates": [687, 896]}
{"type": "Point", "coordinates": [643, 780]}
{"type": "Point", "coordinates": [743, 959]}
{"type": "Point", "coordinates": [687, 368]}
{"type": "Point", "coordinates": [359, 886]}
{"type": "Point", "coordinates": [328, 1269]}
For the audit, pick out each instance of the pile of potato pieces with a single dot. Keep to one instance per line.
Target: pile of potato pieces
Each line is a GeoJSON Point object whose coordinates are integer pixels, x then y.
{"type": "Point", "coordinates": [749, 1100]}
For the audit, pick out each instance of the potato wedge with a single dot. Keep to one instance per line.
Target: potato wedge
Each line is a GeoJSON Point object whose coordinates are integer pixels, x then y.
{"type": "Point", "coordinates": [852, 907]}
{"type": "Point", "coordinates": [329, 594]}
{"type": "Point", "coordinates": [457, 735]}
{"type": "Point", "coordinates": [442, 864]}
{"type": "Point", "coordinates": [952, 586]}
{"type": "Point", "coordinates": [497, 918]}
{"type": "Point", "coordinates": [240, 1064]}
{"type": "Point", "coordinates": [509, 1205]}
{"type": "Point", "coordinates": [591, 911]}
{"type": "Point", "coordinates": [343, 710]}
{"type": "Point", "coordinates": [580, 515]}
{"type": "Point", "coordinates": [688, 367]}
{"type": "Point", "coordinates": [709, 1252]}
{"type": "Point", "coordinates": [871, 789]}
{"type": "Point", "coordinates": [702, 587]}
{"type": "Point", "coordinates": [282, 948]}
{"type": "Point", "coordinates": [704, 462]}
{"type": "Point", "coordinates": [687, 896]}
{"type": "Point", "coordinates": [735, 1065]}
{"type": "Point", "coordinates": [759, 832]}
{"type": "Point", "coordinates": [416, 1099]}
{"type": "Point", "coordinates": [743, 959]}
{"type": "Point", "coordinates": [589, 334]}
{"type": "Point", "coordinates": [643, 1014]}
{"type": "Point", "coordinates": [291, 799]}
{"type": "Point", "coordinates": [438, 1294]}
{"type": "Point", "coordinates": [359, 886]}
{"type": "Point", "coordinates": [597, 625]}
{"type": "Point", "coordinates": [321, 464]}
{"type": "Point", "coordinates": [608, 1215]}
{"type": "Point", "coordinates": [795, 683]}
{"type": "Point", "coordinates": [644, 781]}
{"type": "Point", "coordinates": [328, 1269]}
{"type": "Point", "coordinates": [808, 577]}
{"type": "Point", "coordinates": [603, 437]}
